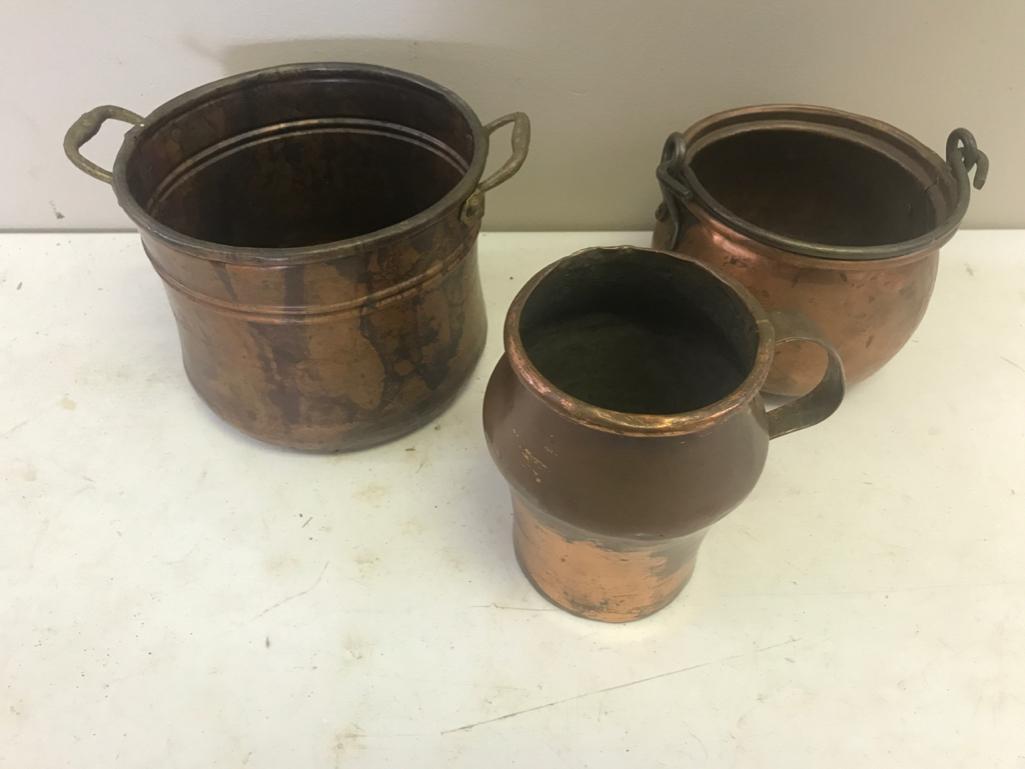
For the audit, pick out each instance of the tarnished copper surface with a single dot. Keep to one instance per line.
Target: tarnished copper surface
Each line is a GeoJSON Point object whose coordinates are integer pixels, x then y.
{"type": "Point", "coordinates": [868, 309]}
{"type": "Point", "coordinates": [605, 578]}
{"type": "Point", "coordinates": [612, 502]}
{"type": "Point", "coordinates": [315, 226]}
{"type": "Point", "coordinates": [330, 355]}
{"type": "Point", "coordinates": [837, 216]}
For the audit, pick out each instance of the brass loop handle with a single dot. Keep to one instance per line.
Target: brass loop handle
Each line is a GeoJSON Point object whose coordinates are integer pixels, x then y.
{"type": "Point", "coordinates": [825, 397]}
{"type": "Point", "coordinates": [85, 128]}
{"type": "Point", "coordinates": [473, 208]}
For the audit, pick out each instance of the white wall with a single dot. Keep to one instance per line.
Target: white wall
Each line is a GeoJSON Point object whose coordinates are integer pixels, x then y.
{"type": "Point", "coordinates": [603, 81]}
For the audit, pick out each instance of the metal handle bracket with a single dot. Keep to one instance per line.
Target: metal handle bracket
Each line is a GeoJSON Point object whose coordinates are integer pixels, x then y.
{"type": "Point", "coordinates": [675, 191]}
{"type": "Point", "coordinates": [473, 208]}
{"type": "Point", "coordinates": [86, 127]}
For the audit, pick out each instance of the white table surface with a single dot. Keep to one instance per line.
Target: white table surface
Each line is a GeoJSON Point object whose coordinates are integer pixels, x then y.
{"type": "Point", "coordinates": [177, 595]}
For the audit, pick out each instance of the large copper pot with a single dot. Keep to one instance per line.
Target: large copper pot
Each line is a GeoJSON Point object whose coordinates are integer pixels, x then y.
{"type": "Point", "coordinates": [626, 417]}
{"type": "Point", "coordinates": [315, 226]}
{"type": "Point", "coordinates": [835, 215]}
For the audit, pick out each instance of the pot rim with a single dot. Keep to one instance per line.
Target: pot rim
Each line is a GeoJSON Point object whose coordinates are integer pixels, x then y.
{"type": "Point", "coordinates": [630, 423]}
{"type": "Point", "coordinates": [213, 251]}
{"type": "Point", "coordinates": [806, 261]}
{"type": "Point", "coordinates": [949, 178]}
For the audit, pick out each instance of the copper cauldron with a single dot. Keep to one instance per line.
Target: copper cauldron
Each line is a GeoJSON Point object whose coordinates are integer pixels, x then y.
{"type": "Point", "coordinates": [315, 226]}
{"type": "Point", "coordinates": [626, 417]}
{"type": "Point", "coordinates": [838, 216]}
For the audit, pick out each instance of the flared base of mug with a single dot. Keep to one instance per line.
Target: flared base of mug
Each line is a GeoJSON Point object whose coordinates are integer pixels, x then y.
{"type": "Point", "coordinates": [609, 579]}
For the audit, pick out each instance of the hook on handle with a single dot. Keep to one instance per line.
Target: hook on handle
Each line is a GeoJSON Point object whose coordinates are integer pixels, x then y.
{"type": "Point", "coordinates": [675, 191]}
{"type": "Point", "coordinates": [963, 154]}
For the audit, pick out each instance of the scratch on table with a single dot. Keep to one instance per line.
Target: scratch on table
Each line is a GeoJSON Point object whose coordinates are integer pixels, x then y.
{"type": "Point", "coordinates": [509, 608]}
{"type": "Point", "coordinates": [292, 597]}
{"type": "Point", "coordinates": [678, 671]}
{"type": "Point", "coordinates": [18, 426]}
{"type": "Point", "coordinates": [1008, 360]}
{"type": "Point", "coordinates": [883, 590]}
{"type": "Point", "coordinates": [181, 559]}
{"type": "Point", "coordinates": [700, 742]}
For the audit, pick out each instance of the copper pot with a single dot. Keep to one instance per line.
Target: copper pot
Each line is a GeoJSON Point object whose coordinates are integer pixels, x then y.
{"type": "Point", "coordinates": [838, 216]}
{"type": "Point", "coordinates": [626, 417]}
{"type": "Point", "coordinates": [315, 226]}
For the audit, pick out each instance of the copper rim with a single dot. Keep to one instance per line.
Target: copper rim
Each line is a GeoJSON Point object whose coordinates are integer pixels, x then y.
{"type": "Point", "coordinates": [805, 261]}
{"type": "Point", "coordinates": [916, 158]}
{"type": "Point", "coordinates": [299, 254]}
{"type": "Point", "coordinates": [626, 423]}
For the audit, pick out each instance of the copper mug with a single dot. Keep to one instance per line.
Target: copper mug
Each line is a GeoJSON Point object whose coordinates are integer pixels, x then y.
{"type": "Point", "coordinates": [626, 417]}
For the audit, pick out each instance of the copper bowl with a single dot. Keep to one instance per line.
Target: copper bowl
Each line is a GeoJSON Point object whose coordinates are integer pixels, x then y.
{"type": "Point", "coordinates": [837, 216]}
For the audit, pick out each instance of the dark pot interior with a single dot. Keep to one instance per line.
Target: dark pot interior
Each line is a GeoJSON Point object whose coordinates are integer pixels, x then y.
{"type": "Point", "coordinates": [638, 331]}
{"type": "Point", "coordinates": [816, 187]}
{"type": "Point", "coordinates": [304, 159]}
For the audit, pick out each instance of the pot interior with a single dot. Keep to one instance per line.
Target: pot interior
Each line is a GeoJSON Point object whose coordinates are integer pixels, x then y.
{"type": "Point", "coordinates": [301, 158]}
{"type": "Point", "coordinates": [817, 187]}
{"type": "Point", "coordinates": [638, 331]}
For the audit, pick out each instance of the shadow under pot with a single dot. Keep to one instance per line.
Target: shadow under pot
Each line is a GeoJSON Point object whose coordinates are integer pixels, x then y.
{"type": "Point", "coordinates": [315, 226]}
{"type": "Point", "coordinates": [838, 216]}
{"type": "Point", "coordinates": [626, 417]}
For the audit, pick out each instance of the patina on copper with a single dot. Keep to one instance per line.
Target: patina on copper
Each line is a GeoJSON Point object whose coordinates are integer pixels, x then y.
{"type": "Point", "coordinates": [315, 226]}
{"type": "Point", "coordinates": [838, 216]}
{"type": "Point", "coordinates": [626, 417]}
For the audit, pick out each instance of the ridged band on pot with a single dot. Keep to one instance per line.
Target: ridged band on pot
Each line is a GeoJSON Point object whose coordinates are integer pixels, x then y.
{"type": "Point", "coordinates": [315, 226]}
{"type": "Point", "coordinates": [610, 505]}
{"type": "Point", "coordinates": [832, 214]}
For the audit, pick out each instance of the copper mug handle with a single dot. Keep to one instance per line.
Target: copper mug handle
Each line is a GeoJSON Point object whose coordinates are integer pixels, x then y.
{"type": "Point", "coordinates": [473, 208]}
{"type": "Point", "coordinates": [86, 127]}
{"type": "Point", "coordinates": [823, 399]}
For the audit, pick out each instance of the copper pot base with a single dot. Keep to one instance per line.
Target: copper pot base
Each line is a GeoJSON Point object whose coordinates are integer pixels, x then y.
{"type": "Point", "coordinates": [355, 440]}
{"type": "Point", "coordinates": [610, 579]}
